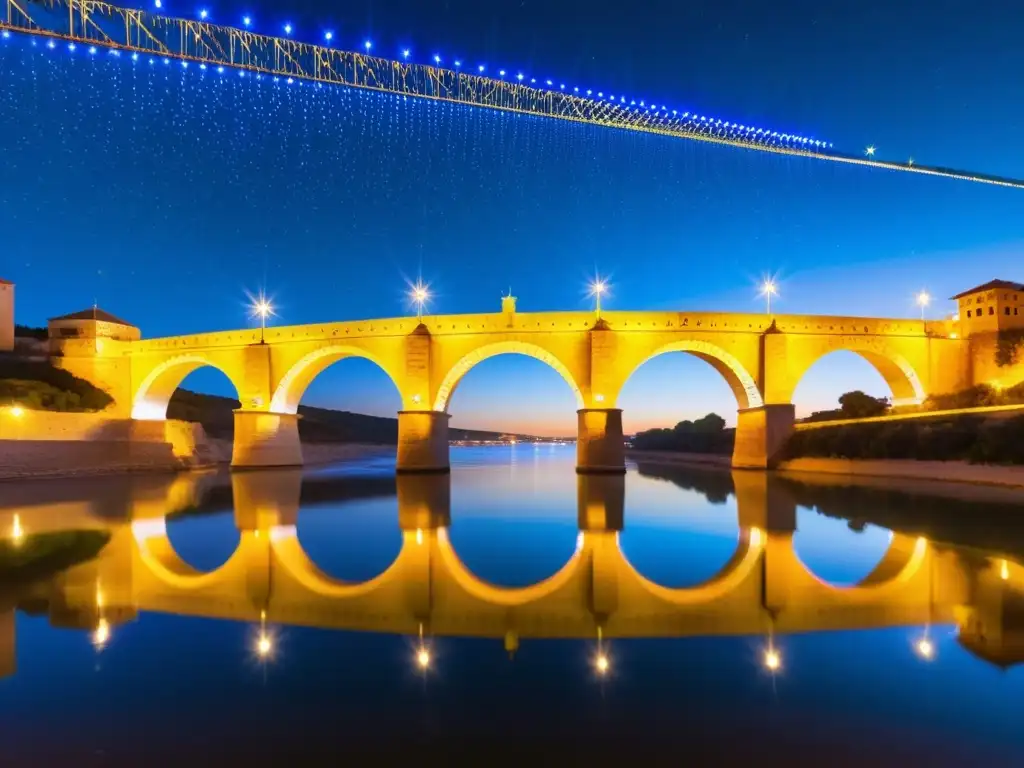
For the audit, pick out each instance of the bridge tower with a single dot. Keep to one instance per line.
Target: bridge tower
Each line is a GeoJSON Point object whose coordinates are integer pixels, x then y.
{"type": "Point", "coordinates": [96, 346]}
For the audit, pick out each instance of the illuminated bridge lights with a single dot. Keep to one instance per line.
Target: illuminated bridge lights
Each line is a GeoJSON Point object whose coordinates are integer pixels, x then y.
{"type": "Point", "coordinates": [97, 23]}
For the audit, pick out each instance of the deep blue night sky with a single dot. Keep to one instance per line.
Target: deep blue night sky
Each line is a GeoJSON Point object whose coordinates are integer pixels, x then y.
{"type": "Point", "coordinates": [164, 194]}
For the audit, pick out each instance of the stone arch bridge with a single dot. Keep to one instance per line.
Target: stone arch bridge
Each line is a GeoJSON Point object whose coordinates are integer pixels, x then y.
{"type": "Point", "coordinates": [761, 357]}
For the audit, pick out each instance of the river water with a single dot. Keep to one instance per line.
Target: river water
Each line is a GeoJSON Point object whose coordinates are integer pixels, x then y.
{"type": "Point", "coordinates": [510, 611]}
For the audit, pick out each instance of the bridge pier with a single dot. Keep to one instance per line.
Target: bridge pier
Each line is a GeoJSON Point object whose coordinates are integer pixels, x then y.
{"type": "Point", "coordinates": [760, 435]}
{"type": "Point", "coordinates": [599, 440]}
{"type": "Point", "coordinates": [265, 439]}
{"type": "Point", "coordinates": [422, 441]}
{"type": "Point", "coordinates": [600, 502]}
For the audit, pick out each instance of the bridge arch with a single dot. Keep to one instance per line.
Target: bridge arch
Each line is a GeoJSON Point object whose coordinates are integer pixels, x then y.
{"type": "Point", "coordinates": [508, 597]}
{"type": "Point", "coordinates": [150, 399]}
{"type": "Point", "coordinates": [294, 561]}
{"type": "Point", "coordinates": [904, 559]}
{"type": "Point", "coordinates": [300, 375]}
{"type": "Point", "coordinates": [468, 361]}
{"type": "Point", "coordinates": [162, 561]}
{"type": "Point", "coordinates": [739, 379]}
{"type": "Point", "coordinates": [738, 570]}
{"type": "Point", "coordinates": [897, 371]}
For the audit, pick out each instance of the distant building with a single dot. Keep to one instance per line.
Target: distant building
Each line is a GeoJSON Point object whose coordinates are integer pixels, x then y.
{"type": "Point", "coordinates": [995, 306]}
{"type": "Point", "coordinates": [91, 324]}
{"type": "Point", "coordinates": [985, 313]}
{"type": "Point", "coordinates": [6, 315]}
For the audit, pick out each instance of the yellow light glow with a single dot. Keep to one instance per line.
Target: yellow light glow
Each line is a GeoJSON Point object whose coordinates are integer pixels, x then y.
{"type": "Point", "coordinates": [17, 532]}
{"type": "Point", "coordinates": [954, 336]}
{"type": "Point", "coordinates": [416, 399]}
{"type": "Point", "coordinates": [772, 660]}
{"type": "Point", "coordinates": [598, 398]}
{"type": "Point", "coordinates": [756, 537]}
{"type": "Point", "coordinates": [101, 635]}
{"type": "Point", "coordinates": [16, 411]}
{"type": "Point", "coordinates": [99, 597]}
{"type": "Point", "coordinates": [925, 649]}
{"type": "Point", "coordinates": [419, 535]}
{"type": "Point", "coordinates": [602, 664]}
{"type": "Point", "coordinates": [423, 658]}
{"type": "Point", "coordinates": [1004, 570]}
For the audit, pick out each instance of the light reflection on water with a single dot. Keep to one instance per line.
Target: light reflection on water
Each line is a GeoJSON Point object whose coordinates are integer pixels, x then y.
{"type": "Point", "coordinates": [514, 525]}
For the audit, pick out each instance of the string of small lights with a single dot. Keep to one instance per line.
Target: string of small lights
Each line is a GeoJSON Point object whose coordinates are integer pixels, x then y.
{"type": "Point", "coordinates": [89, 25]}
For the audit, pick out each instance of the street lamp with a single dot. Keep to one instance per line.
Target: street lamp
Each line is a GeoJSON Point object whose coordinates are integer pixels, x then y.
{"type": "Point", "coordinates": [420, 294]}
{"type": "Point", "coordinates": [923, 300]}
{"type": "Point", "coordinates": [598, 288]}
{"type": "Point", "coordinates": [769, 289]}
{"type": "Point", "coordinates": [262, 308]}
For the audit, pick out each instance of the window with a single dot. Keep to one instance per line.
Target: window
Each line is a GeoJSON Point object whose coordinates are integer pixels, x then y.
{"type": "Point", "coordinates": [1006, 310]}
{"type": "Point", "coordinates": [968, 313]}
{"type": "Point", "coordinates": [991, 310]}
{"type": "Point", "coordinates": [66, 332]}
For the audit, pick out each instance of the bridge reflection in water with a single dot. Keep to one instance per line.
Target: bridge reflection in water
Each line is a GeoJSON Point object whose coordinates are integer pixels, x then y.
{"type": "Point", "coordinates": [762, 590]}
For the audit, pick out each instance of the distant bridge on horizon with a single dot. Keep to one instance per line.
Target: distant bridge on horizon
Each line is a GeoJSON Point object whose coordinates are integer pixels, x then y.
{"type": "Point", "coordinates": [86, 26]}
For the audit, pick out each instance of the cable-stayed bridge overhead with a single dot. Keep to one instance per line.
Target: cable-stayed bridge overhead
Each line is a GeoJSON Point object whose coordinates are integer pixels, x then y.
{"type": "Point", "coordinates": [86, 26]}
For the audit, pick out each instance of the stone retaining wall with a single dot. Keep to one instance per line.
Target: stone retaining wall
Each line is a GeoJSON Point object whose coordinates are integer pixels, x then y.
{"type": "Point", "coordinates": [40, 444]}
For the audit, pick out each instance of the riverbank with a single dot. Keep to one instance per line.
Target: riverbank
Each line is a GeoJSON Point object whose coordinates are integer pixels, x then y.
{"type": "Point", "coordinates": [1006, 476]}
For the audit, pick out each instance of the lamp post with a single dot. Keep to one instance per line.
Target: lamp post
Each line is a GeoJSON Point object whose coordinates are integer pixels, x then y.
{"type": "Point", "coordinates": [262, 309]}
{"type": "Point", "coordinates": [923, 300]}
{"type": "Point", "coordinates": [597, 289]}
{"type": "Point", "coordinates": [419, 294]}
{"type": "Point", "coordinates": [769, 289]}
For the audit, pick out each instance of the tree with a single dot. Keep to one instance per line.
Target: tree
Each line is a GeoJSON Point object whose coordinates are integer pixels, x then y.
{"type": "Point", "coordinates": [858, 405]}
{"type": "Point", "coordinates": [710, 424]}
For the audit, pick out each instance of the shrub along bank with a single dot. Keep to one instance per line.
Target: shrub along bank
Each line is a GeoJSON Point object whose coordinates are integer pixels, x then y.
{"type": "Point", "coordinates": [969, 438]}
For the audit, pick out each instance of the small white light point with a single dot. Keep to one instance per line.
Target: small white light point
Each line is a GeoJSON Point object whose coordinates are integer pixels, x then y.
{"type": "Point", "coordinates": [768, 290]}
{"type": "Point", "coordinates": [264, 645]}
{"type": "Point", "coordinates": [423, 658]}
{"type": "Point", "coordinates": [420, 295]}
{"type": "Point", "coordinates": [870, 151]}
{"type": "Point", "coordinates": [203, 14]}
{"type": "Point", "coordinates": [287, 29]}
{"type": "Point", "coordinates": [158, 4]}
{"type": "Point", "coordinates": [923, 299]}
{"type": "Point", "coordinates": [602, 664]}
{"type": "Point", "coordinates": [368, 45]}
{"type": "Point", "coordinates": [925, 649]}
{"type": "Point", "coordinates": [772, 660]}
{"type": "Point", "coordinates": [328, 36]}
{"type": "Point", "coordinates": [101, 635]}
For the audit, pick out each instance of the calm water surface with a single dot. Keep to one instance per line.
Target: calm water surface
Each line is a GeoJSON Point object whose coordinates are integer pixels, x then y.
{"type": "Point", "coordinates": [509, 610]}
